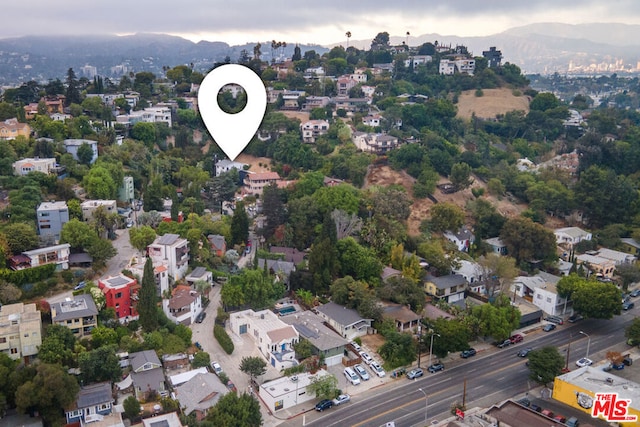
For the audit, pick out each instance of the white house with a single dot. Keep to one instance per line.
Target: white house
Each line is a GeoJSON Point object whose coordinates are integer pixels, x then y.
{"type": "Point", "coordinates": [312, 129]}
{"type": "Point", "coordinates": [273, 337]}
{"type": "Point", "coordinates": [223, 166]}
{"type": "Point", "coordinates": [570, 236]}
{"type": "Point", "coordinates": [377, 143]}
{"type": "Point", "coordinates": [24, 166]}
{"type": "Point", "coordinates": [541, 290]}
{"type": "Point", "coordinates": [73, 145]}
{"type": "Point", "coordinates": [463, 238]}
{"type": "Point", "coordinates": [172, 251]}
{"type": "Point", "coordinates": [617, 257]}
{"type": "Point", "coordinates": [473, 274]}
{"type": "Point", "coordinates": [346, 321]}
{"type": "Point", "coordinates": [285, 392]}
{"type": "Point", "coordinates": [183, 306]}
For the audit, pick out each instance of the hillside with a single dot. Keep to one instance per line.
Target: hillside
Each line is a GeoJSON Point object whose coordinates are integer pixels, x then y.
{"type": "Point", "coordinates": [493, 102]}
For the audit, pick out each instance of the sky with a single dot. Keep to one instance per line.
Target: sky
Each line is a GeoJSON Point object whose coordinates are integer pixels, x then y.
{"type": "Point", "coordinates": [324, 22]}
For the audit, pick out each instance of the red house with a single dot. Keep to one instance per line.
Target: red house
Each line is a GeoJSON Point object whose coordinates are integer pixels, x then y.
{"type": "Point", "coordinates": [121, 293]}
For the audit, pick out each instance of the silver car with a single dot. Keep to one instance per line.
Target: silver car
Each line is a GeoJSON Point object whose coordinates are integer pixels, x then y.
{"type": "Point", "coordinates": [361, 371]}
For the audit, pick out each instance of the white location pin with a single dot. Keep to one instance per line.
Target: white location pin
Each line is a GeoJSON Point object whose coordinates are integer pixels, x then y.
{"type": "Point", "coordinates": [232, 132]}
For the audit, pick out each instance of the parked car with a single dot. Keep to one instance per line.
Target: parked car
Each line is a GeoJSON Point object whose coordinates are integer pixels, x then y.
{"type": "Point", "coordinates": [80, 286]}
{"type": "Point", "coordinates": [554, 319]}
{"type": "Point", "coordinates": [628, 306]}
{"type": "Point", "coordinates": [355, 346]}
{"type": "Point", "coordinates": [525, 352]}
{"type": "Point", "coordinates": [635, 293]}
{"type": "Point", "coordinates": [351, 376]}
{"type": "Point", "coordinates": [361, 371]}
{"type": "Point", "coordinates": [343, 398]}
{"type": "Point", "coordinates": [516, 338]}
{"type": "Point", "coordinates": [560, 418]}
{"type": "Point", "coordinates": [572, 422]}
{"type": "Point", "coordinates": [524, 402]}
{"type": "Point", "coordinates": [549, 327]}
{"type": "Point", "coordinates": [324, 404]}
{"type": "Point", "coordinates": [200, 317]}
{"type": "Point", "coordinates": [375, 367]}
{"type": "Point", "coordinates": [575, 318]}
{"type": "Point", "coordinates": [366, 358]}
{"type": "Point", "coordinates": [503, 344]}
{"type": "Point", "coordinates": [627, 360]}
{"type": "Point", "coordinates": [547, 412]}
{"type": "Point", "coordinates": [468, 353]}
{"type": "Point", "coordinates": [217, 369]}
{"type": "Point", "coordinates": [584, 362]}
{"type": "Point", "coordinates": [415, 373]}
{"type": "Point", "coordinates": [439, 366]}
{"type": "Point", "coordinates": [535, 407]}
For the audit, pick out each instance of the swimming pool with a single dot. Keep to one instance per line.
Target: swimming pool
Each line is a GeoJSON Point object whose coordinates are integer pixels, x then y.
{"type": "Point", "coordinates": [286, 310]}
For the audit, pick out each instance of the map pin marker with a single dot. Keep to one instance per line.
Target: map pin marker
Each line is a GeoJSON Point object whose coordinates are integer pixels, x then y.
{"type": "Point", "coordinates": [232, 132]}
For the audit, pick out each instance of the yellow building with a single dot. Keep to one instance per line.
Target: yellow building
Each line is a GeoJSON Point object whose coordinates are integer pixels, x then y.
{"type": "Point", "coordinates": [579, 388]}
{"type": "Point", "coordinates": [12, 128]}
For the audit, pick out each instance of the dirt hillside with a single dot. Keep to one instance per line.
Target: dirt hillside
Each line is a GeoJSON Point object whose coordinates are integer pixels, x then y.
{"type": "Point", "coordinates": [491, 103]}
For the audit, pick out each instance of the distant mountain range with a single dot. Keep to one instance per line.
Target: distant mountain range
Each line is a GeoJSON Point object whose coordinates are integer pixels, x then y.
{"type": "Point", "coordinates": [538, 48]}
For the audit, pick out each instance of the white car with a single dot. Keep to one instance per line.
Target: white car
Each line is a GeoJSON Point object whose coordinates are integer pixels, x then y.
{"type": "Point", "coordinates": [217, 369]}
{"type": "Point", "coordinates": [375, 367]}
{"type": "Point", "coordinates": [341, 399]}
{"type": "Point", "coordinates": [366, 358]}
{"type": "Point", "coordinates": [361, 371]}
{"type": "Point", "coordinates": [355, 345]}
{"type": "Point", "coordinates": [584, 362]}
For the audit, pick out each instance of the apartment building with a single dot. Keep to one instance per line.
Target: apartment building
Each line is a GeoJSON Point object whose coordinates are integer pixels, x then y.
{"type": "Point", "coordinates": [20, 331]}
{"type": "Point", "coordinates": [121, 293]}
{"type": "Point", "coordinates": [90, 206]}
{"type": "Point", "coordinates": [51, 216]}
{"type": "Point", "coordinates": [171, 251]}
{"type": "Point", "coordinates": [78, 313]}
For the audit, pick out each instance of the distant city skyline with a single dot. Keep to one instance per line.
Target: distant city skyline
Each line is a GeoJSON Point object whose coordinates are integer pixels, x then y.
{"type": "Point", "coordinates": [326, 22]}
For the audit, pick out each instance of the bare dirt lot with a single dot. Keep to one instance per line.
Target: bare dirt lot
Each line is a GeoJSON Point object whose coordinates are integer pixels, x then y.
{"type": "Point", "coordinates": [385, 176]}
{"type": "Point", "coordinates": [491, 103]}
{"type": "Point", "coordinates": [256, 164]}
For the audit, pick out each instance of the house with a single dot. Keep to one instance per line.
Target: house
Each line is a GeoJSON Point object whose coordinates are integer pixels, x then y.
{"type": "Point", "coordinates": [172, 251]}
{"type": "Point", "coordinates": [20, 331]}
{"type": "Point", "coordinates": [280, 269]}
{"type": "Point", "coordinates": [224, 166]}
{"type": "Point", "coordinates": [461, 65]}
{"type": "Point", "coordinates": [290, 254]}
{"type": "Point", "coordinates": [449, 288]}
{"type": "Point", "coordinates": [619, 258]}
{"type": "Point", "coordinates": [378, 143]}
{"type": "Point", "coordinates": [372, 120]}
{"type": "Point", "coordinates": [405, 319]}
{"type": "Point", "coordinates": [473, 273]}
{"type": "Point", "coordinates": [568, 237]}
{"type": "Point", "coordinates": [273, 337]}
{"type": "Point", "coordinates": [94, 404]}
{"type": "Point", "coordinates": [415, 60]}
{"type": "Point", "coordinates": [493, 57]}
{"type": "Point", "coordinates": [311, 102]}
{"type": "Point", "coordinates": [218, 244]}
{"type": "Point", "coordinates": [73, 145]}
{"type": "Point", "coordinates": [285, 392]}
{"type": "Point", "coordinates": [254, 183]}
{"type": "Point", "coordinates": [183, 377]}
{"type": "Point", "coordinates": [323, 340]}
{"type": "Point", "coordinates": [176, 361]}
{"type": "Point", "coordinates": [352, 105]}
{"type": "Point", "coordinates": [50, 217]}
{"type": "Point", "coordinates": [345, 321]}
{"type": "Point", "coordinates": [25, 166]}
{"type": "Point", "coordinates": [170, 419]}
{"type": "Point", "coordinates": [199, 274]}
{"type": "Point", "coordinates": [90, 206]}
{"type": "Point", "coordinates": [12, 128]}
{"type": "Point", "coordinates": [331, 182]}
{"type": "Point", "coordinates": [78, 313]}
{"type": "Point", "coordinates": [146, 373]}
{"type": "Point", "coordinates": [58, 255]}
{"type": "Point", "coordinates": [154, 114]}
{"type": "Point", "coordinates": [312, 129]}
{"type": "Point", "coordinates": [463, 238]}
{"type": "Point", "coordinates": [631, 246]}
{"type": "Point", "coordinates": [121, 293]}
{"type": "Point", "coordinates": [344, 84]}
{"type": "Point", "coordinates": [183, 306]}
{"type": "Point", "coordinates": [541, 291]}
{"type": "Point", "coordinates": [497, 245]}
{"type": "Point", "coordinates": [389, 272]}
{"type": "Point", "coordinates": [160, 275]}
{"type": "Point", "coordinates": [126, 192]}
{"type": "Point", "coordinates": [595, 264]}
{"type": "Point", "coordinates": [199, 394]}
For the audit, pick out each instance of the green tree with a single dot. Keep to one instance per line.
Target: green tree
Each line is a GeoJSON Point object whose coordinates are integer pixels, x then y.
{"type": "Point", "coordinates": [498, 272]}
{"type": "Point", "coordinates": [57, 345]}
{"type": "Point", "coordinates": [233, 410]}
{"type": "Point", "coordinates": [51, 389]}
{"type": "Point", "coordinates": [147, 300]}
{"type": "Point", "coordinates": [85, 154]}
{"type": "Point", "coordinates": [497, 319]}
{"type": "Point", "coordinates": [632, 332]}
{"type": "Point", "coordinates": [324, 387]}
{"type": "Point", "coordinates": [357, 261]}
{"type": "Point", "coordinates": [141, 237]}
{"type": "Point", "coordinates": [527, 241]}
{"type": "Point", "coordinates": [80, 235]}
{"type": "Point", "coordinates": [253, 366]}
{"type": "Point", "coordinates": [454, 336]}
{"type": "Point", "coordinates": [545, 364]}
{"type": "Point", "coordinates": [99, 183]}
{"type": "Point", "coordinates": [460, 176]}
{"type": "Point", "coordinates": [145, 132]}
{"type": "Point", "coordinates": [239, 225]}
{"type": "Point", "coordinates": [72, 92]}
{"type": "Point", "coordinates": [20, 237]}
{"type": "Point", "coordinates": [131, 407]}
{"type": "Point", "coordinates": [102, 336]}
{"type": "Point", "coordinates": [399, 349]}
{"type": "Point", "coordinates": [100, 364]}
{"type": "Point", "coordinates": [446, 217]}
{"type": "Point", "coordinates": [201, 359]}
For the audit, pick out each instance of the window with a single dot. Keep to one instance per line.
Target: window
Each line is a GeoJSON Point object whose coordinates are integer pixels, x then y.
{"type": "Point", "coordinates": [539, 296]}
{"type": "Point", "coordinates": [3, 340]}
{"type": "Point", "coordinates": [548, 299]}
{"type": "Point", "coordinates": [118, 295]}
{"type": "Point", "coordinates": [14, 351]}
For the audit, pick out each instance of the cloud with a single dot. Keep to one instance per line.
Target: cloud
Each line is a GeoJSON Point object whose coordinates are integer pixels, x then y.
{"type": "Point", "coordinates": [252, 20]}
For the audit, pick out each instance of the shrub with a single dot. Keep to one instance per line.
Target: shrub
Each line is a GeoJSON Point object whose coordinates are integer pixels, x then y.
{"type": "Point", "coordinates": [223, 338]}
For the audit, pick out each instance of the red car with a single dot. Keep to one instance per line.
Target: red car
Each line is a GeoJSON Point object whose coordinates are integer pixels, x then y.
{"type": "Point", "coordinates": [516, 338]}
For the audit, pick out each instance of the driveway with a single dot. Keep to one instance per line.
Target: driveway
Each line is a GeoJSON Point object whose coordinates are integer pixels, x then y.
{"type": "Point", "coordinates": [124, 253]}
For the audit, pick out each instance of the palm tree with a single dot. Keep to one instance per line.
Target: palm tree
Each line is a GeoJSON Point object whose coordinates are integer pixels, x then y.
{"type": "Point", "coordinates": [407, 44]}
{"type": "Point", "coordinates": [348, 34]}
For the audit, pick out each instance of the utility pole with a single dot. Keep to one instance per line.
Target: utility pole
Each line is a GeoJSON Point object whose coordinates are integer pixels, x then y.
{"type": "Point", "coordinates": [464, 394]}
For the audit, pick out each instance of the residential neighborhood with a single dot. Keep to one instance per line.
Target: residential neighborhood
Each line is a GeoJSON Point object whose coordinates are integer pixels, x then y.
{"type": "Point", "coordinates": [371, 228]}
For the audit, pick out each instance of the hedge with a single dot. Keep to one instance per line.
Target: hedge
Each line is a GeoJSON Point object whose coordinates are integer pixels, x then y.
{"type": "Point", "coordinates": [223, 338]}
{"type": "Point", "coordinates": [27, 275]}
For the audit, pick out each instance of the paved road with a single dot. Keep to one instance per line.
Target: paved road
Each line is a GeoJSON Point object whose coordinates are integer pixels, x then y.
{"type": "Point", "coordinates": [490, 378]}
{"type": "Point", "coordinates": [124, 253]}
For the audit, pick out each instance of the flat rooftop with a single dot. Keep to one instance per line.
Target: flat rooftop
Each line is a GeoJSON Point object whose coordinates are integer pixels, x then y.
{"type": "Point", "coordinates": [596, 380]}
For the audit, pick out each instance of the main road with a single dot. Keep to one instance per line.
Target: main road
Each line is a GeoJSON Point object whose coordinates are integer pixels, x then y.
{"type": "Point", "coordinates": [489, 378]}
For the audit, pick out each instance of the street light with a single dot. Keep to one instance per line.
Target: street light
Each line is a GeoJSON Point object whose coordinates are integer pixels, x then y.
{"type": "Point", "coordinates": [431, 347]}
{"type": "Point", "coordinates": [426, 404]}
{"type": "Point", "coordinates": [588, 342]}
